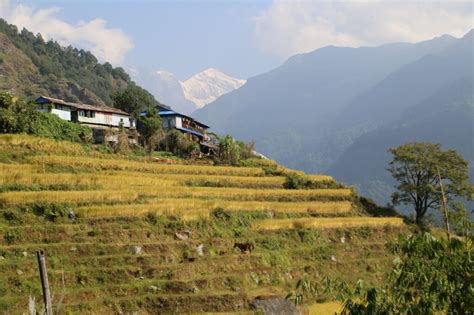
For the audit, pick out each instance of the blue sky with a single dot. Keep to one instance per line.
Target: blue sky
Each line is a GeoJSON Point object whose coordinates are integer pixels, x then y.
{"type": "Point", "coordinates": [240, 38]}
{"type": "Point", "coordinates": [184, 37]}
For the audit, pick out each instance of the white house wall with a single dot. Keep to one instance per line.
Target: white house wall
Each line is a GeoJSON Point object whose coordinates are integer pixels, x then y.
{"type": "Point", "coordinates": [108, 119]}
{"type": "Point", "coordinates": [178, 123]}
{"type": "Point", "coordinates": [64, 114]}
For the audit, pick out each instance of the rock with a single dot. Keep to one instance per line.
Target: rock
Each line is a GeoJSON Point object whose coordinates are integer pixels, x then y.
{"type": "Point", "coordinates": [274, 306]}
{"type": "Point", "coordinates": [25, 254]}
{"type": "Point", "coordinates": [343, 239]}
{"type": "Point", "coordinates": [19, 272]}
{"type": "Point", "coordinates": [136, 250]}
{"type": "Point", "coordinates": [71, 215]}
{"type": "Point", "coordinates": [199, 250]}
{"type": "Point", "coordinates": [153, 288]}
{"type": "Point", "coordinates": [333, 258]}
{"type": "Point", "coordinates": [183, 235]}
{"type": "Point", "coordinates": [1, 257]}
{"type": "Point", "coordinates": [73, 249]}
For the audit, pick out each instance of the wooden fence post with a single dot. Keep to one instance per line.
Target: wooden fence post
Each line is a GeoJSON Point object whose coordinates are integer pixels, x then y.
{"type": "Point", "coordinates": [44, 282]}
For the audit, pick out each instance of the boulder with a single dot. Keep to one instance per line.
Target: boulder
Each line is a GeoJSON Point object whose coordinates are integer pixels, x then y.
{"type": "Point", "coordinates": [274, 306]}
{"type": "Point", "coordinates": [136, 250]}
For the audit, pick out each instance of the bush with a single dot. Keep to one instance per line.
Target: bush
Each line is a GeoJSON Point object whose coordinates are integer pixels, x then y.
{"type": "Point", "coordinates": [229, 151]}
{"type": "Point", "coordinates": [176, 143]}
{"type": "Point", "coordinates": [49, 211]}
{"type": "Point", "coordinates": [18, 116]}
{"type": "Point", "coordinates": [12, 236]}
{"type": "Point", "coordinates": [295, 181]}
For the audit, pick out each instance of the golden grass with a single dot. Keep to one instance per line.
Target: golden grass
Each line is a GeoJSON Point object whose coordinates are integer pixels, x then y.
{"type": "Point", "coordinates": [323, 223]}
{"type": "Point", "coordinates": [320, 177]}
{"type": "Point", "coordinates": [327, 308]}
{"type": "Point", "coordinates": [192, 208]}
{"type": "Point", "coordinates": [28, 174]}
{"type": "Point", "coordinates": [79, 197]}
{"type": "Point", "coordinates": [98, 196]}
{"type": "Point", "coordinates": [143, 166]}
{"type": "Point", "coordinates": [39, 144]}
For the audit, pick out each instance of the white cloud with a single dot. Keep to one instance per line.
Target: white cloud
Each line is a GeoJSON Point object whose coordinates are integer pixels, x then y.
{"type": "Point", "coordinates": [290, 27]}
{"type": "Point", "coordinates": [108, 44]}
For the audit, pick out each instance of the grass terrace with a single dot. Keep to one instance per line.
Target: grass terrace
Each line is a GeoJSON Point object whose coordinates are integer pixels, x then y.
{"type": "Point", "coordinates": [132, 234]}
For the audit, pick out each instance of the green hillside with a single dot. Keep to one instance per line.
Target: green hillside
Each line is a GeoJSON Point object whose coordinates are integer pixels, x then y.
{"type": "Point", "coordinates": [128, 234]}
{"type": "Point", "coordinates": [31, 66]}
{"type": "Point", "coordinates": [446, 117]}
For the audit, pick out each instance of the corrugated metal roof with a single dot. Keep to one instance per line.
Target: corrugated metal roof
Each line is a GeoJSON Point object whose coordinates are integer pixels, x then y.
{"type": "Point", "coordinates": [97, 108]}
{"type": "Point", "coordinates": [173, 113]}
{"type": "Point", "coordinates": [190, 131]}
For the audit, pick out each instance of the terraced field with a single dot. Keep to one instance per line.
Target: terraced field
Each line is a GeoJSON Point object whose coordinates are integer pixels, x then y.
{"type": "Point", "coordinates": [131, 234]}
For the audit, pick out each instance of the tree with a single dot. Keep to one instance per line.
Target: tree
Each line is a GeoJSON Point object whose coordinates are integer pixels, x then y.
{"type": "Point", "coordinates": [151, 129]}
{"type": "Point", "coordinates": [176, 143]}
{"type": "Point", "coordinates": [415, 166]}
{"type": "Point", "coordinates": [431, 276]}
{"type": "Point", "coordinates": [133, 100]}
{"type": "Point", "coordinates": [229, 150]}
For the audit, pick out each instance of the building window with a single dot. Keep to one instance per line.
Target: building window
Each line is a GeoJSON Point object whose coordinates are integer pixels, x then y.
{"type": "Point", "coordinates": [82, 113]}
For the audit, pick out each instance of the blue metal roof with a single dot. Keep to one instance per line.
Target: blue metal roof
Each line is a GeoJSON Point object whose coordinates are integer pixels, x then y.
{"type": "Point", "coordinates": [168, 113]}
{"type": "Point", "coordinates": [190, 131]}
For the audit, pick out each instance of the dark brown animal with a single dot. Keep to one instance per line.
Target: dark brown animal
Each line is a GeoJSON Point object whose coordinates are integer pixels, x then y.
{"type": "Point", "coordinates": [244, 247]}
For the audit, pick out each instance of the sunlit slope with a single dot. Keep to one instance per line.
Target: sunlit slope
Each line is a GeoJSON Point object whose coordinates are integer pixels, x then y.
{"type": "Point", "coordinates": [131, 233]}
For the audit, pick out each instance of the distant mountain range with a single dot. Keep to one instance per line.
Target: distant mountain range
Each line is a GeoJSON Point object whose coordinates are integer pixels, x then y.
{"type": "Point", "coordinates": [337, 110]}
{"type": "Point", "coordinates": [189, 95]}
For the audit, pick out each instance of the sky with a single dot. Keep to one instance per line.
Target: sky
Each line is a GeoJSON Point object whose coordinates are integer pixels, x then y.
{"type": "Point", "coordinates": [240, 38]}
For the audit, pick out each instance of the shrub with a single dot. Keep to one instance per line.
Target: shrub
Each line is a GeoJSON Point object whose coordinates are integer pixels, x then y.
{"type": "Point", "coordinates": [12, 236]}
{"type": "Point", "coordinates": [295, 181]}
{"type": "Point", "coordinates": [18, 116]}
{"type": "Point", "coordinates": [176, 143]}
{"type": "Point", "coordinates": [229, 151]}
{"type": "Point", "coordinates": [49, 211]}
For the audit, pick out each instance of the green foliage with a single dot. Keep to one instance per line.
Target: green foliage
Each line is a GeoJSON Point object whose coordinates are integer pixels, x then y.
{"type": "Point", "coordinates": [229, 150]}
{"type": "Point", "coordinates": [18, 116]}
{"type": "Point", "coordinates": [415, 167]}
{"type": "Point", "coordinates": [369, 206]}
{"type": "Point", "coordinates": [431, 276]}
{"type": "Point", "coordinates": [295, 180]}
{"type": "Point", "coordinates": [176, 143]}
{"type": "Point", "coordinates": [151, 129]}
{"type": "Point", "coordinates": [49, 211]}
{"type": "Point", "coordinates": [12, 236]}
{"type": "Point", "coordinates": [133, 99]}
{"type": "Point", "coordinates": [67, 72]}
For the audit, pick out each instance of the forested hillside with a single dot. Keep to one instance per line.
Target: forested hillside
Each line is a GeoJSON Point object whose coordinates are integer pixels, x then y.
{"type": "Point", "coordinates": [31, 66]}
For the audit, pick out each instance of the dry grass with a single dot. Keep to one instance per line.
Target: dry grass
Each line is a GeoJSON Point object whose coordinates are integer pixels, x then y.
{"type": "Point", "coordinates": [40, 145]}
{"type": "Point", "coordinates": [322, 223]}
{"type": "Point", "coordinates": [85, 197]}
{"type": "Point", "coordinates": [153, 167]}
{"type": "Point", "coordinates": [192, 208]}
{"type": "Point", "coordinates": [27, 174]}
{"type": "Point", "coordinates": [327, 308]}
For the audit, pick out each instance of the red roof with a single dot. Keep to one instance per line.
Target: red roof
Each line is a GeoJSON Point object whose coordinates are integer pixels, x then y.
{"type": "Point", "coordinates": [97, 108]}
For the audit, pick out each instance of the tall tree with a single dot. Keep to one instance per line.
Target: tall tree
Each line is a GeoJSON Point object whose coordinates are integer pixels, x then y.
{"type": "Point", "coordinates": [151, 129]}
{"type": "Point", "coordinates": [419, 169]}
{"type": "Point", "coordinates": [133, 100]}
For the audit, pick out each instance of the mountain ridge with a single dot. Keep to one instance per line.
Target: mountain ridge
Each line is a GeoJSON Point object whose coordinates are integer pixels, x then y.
{"type": "Point", "coordinates": [188, 95]}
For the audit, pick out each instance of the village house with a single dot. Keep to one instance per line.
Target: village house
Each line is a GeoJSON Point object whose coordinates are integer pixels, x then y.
{"type": "Point", "coordinates": [105, 121]}
{"type": "Point", "coordinates": [191, 128]}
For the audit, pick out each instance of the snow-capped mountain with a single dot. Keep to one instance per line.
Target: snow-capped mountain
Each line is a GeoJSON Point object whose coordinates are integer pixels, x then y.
{"type": "Point", "coordinates": [189, 95]}
{"type": "Point", "coordinates": [206, 86]}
